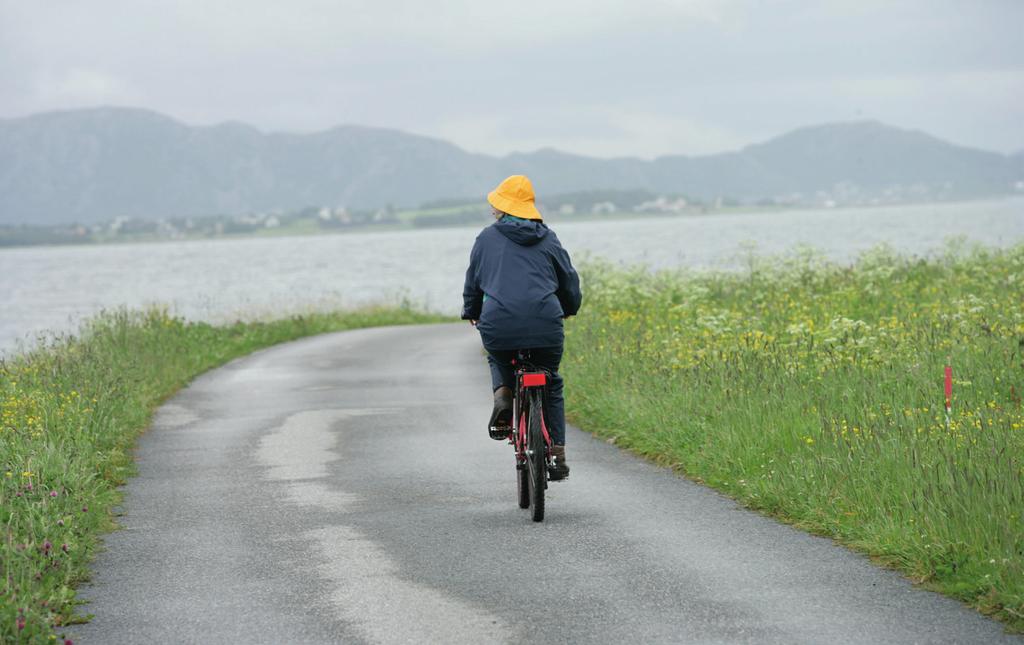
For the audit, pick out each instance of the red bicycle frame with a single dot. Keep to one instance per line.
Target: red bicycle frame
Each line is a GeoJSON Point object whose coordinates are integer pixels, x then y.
{"type": "Point", "coordinates": [527, 378]}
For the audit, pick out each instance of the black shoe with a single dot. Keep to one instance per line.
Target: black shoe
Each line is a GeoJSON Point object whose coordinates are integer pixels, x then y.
{"type": "Point", "coordinates": [558, 469]}
{"type": "Point", "coordinates": [500, 424]}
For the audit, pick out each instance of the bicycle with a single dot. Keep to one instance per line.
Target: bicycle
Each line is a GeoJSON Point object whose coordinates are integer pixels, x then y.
{"type": "Point", "coordinates": [529, 435]}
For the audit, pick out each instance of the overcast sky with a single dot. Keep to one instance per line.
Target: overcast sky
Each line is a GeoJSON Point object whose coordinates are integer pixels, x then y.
{"type": "Point", "coordinates": [637, 77]}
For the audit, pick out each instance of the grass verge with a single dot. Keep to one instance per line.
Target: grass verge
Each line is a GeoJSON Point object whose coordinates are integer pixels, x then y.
{"type": "Point", "coordinates": [69, 416]}
{"type": "Point", "coordinates": [814, 392]}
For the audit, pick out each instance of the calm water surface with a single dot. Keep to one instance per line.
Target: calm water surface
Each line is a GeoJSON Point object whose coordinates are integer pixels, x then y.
{"type": "Point", "coordinates": [50, 289]}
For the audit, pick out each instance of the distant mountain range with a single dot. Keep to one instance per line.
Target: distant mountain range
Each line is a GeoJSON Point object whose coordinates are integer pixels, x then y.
{"type": "Point", "coordinates": [92, 165]}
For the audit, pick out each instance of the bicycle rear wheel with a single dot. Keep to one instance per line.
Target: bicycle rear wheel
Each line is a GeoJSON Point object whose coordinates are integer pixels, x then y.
{"type": "Point", "coordinates": [523, 485]}
{"type": "Point", "coordinates": [522, 470]}
{"type": "Point", "coordinates": [536, 462]}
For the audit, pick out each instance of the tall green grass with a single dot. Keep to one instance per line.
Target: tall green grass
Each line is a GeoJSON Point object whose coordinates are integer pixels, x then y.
{"type": "Point", "coordinates": [814, 392]}
{"type": "Point", "coordinates": [69, 415]}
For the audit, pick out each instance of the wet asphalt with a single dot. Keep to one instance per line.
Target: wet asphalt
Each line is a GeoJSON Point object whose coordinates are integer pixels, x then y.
{"type": "Point", "coordinates": [342, 489]}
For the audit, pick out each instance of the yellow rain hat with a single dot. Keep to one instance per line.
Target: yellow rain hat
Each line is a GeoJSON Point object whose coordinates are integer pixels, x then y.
{"type": "Point", "coordinates": [515, 197]}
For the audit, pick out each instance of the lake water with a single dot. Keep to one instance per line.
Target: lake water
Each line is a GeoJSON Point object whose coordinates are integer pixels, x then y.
{"type": "Point", "coordinates": [50, 289]}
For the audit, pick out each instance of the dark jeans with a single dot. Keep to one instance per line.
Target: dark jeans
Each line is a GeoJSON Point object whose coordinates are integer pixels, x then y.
{"type": "Point", "coordinates": [549, 358]}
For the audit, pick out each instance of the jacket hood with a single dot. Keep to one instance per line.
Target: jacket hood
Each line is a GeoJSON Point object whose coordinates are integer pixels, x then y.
{"type": "Point", "coordinates": [523, 232]}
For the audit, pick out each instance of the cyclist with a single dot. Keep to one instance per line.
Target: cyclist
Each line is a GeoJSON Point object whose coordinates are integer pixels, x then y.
{"type": "Point", "coordinates": [520, 285]}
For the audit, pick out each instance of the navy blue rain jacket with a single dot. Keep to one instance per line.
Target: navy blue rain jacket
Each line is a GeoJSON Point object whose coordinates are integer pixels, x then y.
{"type": "Point", "coordinates": [519, 285]}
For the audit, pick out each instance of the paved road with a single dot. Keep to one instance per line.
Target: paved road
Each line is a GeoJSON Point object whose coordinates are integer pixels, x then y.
{"type": "Point", "coordinates": [342, 489]}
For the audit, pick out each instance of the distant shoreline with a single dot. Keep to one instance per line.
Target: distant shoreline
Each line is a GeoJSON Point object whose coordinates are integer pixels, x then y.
{"type": "Point", "coordinates": [411, 220]}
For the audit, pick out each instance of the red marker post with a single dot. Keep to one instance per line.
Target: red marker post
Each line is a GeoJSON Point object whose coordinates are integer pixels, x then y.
{"type": "Point", "coordinates": [949, 394]}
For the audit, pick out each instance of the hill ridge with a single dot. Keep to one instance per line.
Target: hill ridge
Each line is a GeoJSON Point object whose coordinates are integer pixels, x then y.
{"type": "Point", "coordinates": [99, 163]}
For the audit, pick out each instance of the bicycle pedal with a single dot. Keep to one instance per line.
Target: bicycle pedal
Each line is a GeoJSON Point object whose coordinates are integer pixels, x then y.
{"type": "Point", "coordinates": [499, 434]}
{"type": "Point", "coordinates": [556, 477]}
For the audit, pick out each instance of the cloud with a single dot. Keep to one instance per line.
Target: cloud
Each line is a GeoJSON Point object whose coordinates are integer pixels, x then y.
{"type": "Point", "coordinates": [605, 77]}
{"type": "Point", "coordinates": [83, 86]}
{"type": "Point", "coordinates": [595, 131]}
